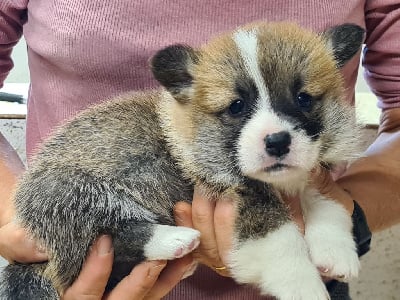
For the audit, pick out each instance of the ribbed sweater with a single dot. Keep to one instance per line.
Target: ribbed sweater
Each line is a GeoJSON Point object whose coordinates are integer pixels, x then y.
{"type": "Point", "coordinates": [82, 52]}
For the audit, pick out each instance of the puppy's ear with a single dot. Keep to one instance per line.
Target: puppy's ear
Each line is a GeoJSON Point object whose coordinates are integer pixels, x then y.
{"type": "Point", "coordinates": [172, 67]}
{"type": "Point", "coordinates": [344, 41]}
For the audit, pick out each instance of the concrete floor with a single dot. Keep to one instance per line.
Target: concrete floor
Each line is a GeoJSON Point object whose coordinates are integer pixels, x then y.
{"type": "Point", "coordinates": [380, 275]}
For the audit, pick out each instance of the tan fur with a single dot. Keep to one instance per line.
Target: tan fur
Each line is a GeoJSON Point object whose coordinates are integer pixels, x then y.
{"type": "Point", "coordinates": [119, 167]}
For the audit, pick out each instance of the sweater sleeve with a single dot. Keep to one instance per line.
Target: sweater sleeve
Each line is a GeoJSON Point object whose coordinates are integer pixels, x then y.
{"type": "Point", "coordinates": [381, 58]}
{"type": "Point", "coordinates": [12, 17]}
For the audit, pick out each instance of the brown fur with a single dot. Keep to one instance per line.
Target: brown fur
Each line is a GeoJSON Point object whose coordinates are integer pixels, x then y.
{"type": "Point", "coordinates": [119, 167]}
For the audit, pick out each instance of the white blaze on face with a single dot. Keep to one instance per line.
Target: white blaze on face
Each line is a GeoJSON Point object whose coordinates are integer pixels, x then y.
{"type": "Point", "coordinates": [246, 41]}
{"type": "Point", "coordinates": [253, 157]}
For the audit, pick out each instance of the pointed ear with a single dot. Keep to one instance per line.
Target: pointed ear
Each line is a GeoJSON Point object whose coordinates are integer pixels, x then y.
{"type": "Point", "coordinates": [344, 41]}
{"type": "Point", "coordinates": [172, 67]}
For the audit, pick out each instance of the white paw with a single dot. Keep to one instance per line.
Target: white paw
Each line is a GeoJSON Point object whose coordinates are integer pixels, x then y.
{"type": "Point", "coordinates": [329, 238]}
{"type": "Point", "coordinates": [307, 285]}
{"type": "Point", "coordinates": [279, 265]}
{"type": "Point", "coordinates": [335, 255]}
{"type": "Point", "coordinates": [170, 242]}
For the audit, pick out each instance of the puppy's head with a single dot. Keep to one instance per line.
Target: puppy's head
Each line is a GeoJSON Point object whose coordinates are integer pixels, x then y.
{"type": "Point", "coordinates": [265, 101]}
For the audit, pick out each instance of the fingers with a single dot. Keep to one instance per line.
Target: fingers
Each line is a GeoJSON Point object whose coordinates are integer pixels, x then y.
{"type": "Point", "coordinates": [146, 281]}
{"type": "Point", "coordinates": [183, 214]}
{"type": "Point", "coordinates": [224, 221]}
{"type": "Point", "coordinates": [169, 278]}
{"type": "Point", "coordinates": [93, 278]}
{"type": "Point", "coordinates": [203, 220]}
{"type": "Point", "coordinates": [17, 245]}
{"type": "Point", "coordinates": [322, 180]}
{"type": "Point", "coordinates": [139, 282]}
{"type": "Point", "coordinates": [215, 221]}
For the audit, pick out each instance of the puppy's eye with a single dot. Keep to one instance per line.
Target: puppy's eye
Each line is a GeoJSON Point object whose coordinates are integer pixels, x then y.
{"type": "Point", "coordinates": [305, 101]}
{"type": "Point", "coordinates": [237, 108]}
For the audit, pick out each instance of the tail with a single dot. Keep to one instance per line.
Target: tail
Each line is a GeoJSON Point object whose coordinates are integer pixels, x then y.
{"type": "Point", "coordinates": [23, 282]}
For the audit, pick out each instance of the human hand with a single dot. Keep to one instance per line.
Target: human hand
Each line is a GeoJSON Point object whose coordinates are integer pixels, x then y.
{"type": "Point", "coordinates": [17, 245]}
{"type": "Point", "coordinates": [146, 281]}
{"type": "Point", "coordinates": [324, 181]}
{"type": "Point", "coordinates": [216, 220]}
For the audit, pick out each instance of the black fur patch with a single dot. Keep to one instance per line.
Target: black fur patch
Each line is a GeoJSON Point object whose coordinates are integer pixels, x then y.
{"type": "Point", "coordinates": [283, 94]}
{"type": "Point", "coordinates": [170, 67]}
{"type": "Point", "coordinates": [22, 282]}
{"type": "Point", "coordinates": [257, 200]}
{"type": "Point", "coordinates": [247, 90]}
{"type": "Point", "coordinates": [345, 40]}
{"type": "Point", "coordinates": [128, 249]}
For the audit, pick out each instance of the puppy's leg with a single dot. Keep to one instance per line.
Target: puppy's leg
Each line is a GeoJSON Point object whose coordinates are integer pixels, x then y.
{"type": "Point", "coordinates": [135, 242]}
{"type": "Point", "coordinates": [328, 233]}
{"type": "Point", "coordinates": [170, 242]}
{"type": "Point", "coordinates": [138, 241]}
{"type": "Point", "coordinates": [270, 251]}
{"type": "Point", "coordinates": [22, 282]}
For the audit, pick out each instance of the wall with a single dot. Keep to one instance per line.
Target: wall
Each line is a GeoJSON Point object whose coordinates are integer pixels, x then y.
{"type": "Point", "coordinates": [20, 72]}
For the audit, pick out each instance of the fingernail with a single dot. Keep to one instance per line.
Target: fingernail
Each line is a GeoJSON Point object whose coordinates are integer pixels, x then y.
{"type": "Point", "coordinates": [40, 248]}
{"type": "Point", "coordinates": [190, 270]}
{"type": "Point", "coordinates": [104, 245]}
{"type": "Point", "coordinates": [41, 253]}
{"type": "Point", "coordinates": [157, 267]}
{"type": "Point", "coordinates": [323, 270]}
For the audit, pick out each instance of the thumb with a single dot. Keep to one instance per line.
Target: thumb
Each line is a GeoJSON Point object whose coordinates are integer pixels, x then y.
{"type": "Point", "coordinates": [96, 270]}
{"type": "Point", "coordinates": [17, 245]}
{"type": "Point", "coordinates": [322, 180]}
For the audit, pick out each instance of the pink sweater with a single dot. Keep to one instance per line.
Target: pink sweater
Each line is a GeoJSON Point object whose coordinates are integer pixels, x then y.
{"type": "Point", "coordinates": [82, 52]}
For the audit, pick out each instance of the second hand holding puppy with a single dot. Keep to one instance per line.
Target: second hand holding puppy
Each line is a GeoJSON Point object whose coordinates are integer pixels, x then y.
{"type": "Point", "coordinates": [215, 220]}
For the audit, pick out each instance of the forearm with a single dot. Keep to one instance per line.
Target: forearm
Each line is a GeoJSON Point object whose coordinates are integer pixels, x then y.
{"type": "Point", "coordinates": [11, 167]}
{"type": "Point", "coordinates": [374, 180]}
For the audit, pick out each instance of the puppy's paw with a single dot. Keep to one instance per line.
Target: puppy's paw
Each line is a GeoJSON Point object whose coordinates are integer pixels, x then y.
{"type": "Point", "coordinates": [170, 242]}
{"type": "Point", "coordinates": [328, 233]}
{"type": "Point", "coordinates": [307, 287]}
{"type": "Point", "coordinates": [299, 280]}
{"type": "Point", "coordinates": [279, 265]}
{"type": "Point", "coordinates": [335, 256]}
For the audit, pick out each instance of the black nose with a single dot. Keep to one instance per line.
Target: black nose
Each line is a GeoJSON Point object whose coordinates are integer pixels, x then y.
{"type": "Point", "coordinates": [277, 144]}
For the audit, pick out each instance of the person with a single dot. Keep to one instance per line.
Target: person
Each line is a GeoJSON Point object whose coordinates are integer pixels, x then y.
{"type": "Point", "coordinates": [82, 52]}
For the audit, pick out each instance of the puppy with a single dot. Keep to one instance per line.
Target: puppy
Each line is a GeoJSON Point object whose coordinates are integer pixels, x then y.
{"type": "Point", "coordinates": [247, 116]}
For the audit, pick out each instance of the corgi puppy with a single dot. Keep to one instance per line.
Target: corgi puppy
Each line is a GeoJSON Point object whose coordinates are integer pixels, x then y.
{"type": "Point", "coordinates": [248, 116]}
